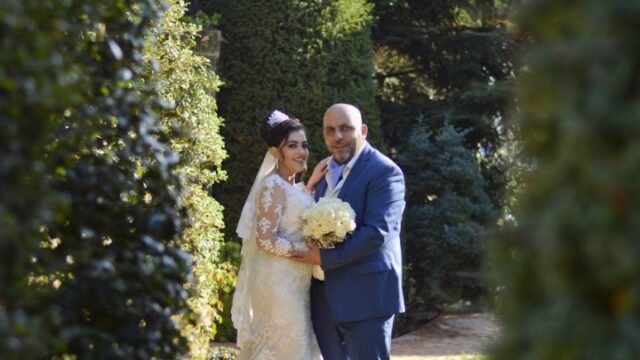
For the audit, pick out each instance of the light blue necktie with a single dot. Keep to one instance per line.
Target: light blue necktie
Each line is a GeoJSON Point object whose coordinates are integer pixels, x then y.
{"type": "Point", "coordinates": [336, 173]}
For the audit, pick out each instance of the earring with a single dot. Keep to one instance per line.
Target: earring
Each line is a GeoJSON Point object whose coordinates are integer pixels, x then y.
{"type": "Point", "coordinates": [275, 155]}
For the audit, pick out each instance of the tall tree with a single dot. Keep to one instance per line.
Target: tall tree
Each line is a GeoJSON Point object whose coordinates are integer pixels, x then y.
{"type": "Point", "coordinates": [450, 214]}
{"type": "Point", "coordinates": [569, 269]}
{"type": "Point", "coordinates": [447, 63]}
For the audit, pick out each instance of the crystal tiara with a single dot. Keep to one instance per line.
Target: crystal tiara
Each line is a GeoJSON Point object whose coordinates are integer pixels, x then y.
{"type": "Point", "coordinates": [276, 117]}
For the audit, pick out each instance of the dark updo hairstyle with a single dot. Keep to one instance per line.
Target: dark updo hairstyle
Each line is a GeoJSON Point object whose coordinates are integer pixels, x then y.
{"type": "Point", "coordinates": [274, 133]}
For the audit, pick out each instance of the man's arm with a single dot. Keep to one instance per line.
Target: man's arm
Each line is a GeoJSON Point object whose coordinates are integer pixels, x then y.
{"type": "Point", "coordinates": [383, 213]}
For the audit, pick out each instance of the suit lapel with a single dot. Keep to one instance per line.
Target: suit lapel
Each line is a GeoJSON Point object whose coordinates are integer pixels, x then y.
{"type": "Point", "coordinates": [321, 187]}
{"type": "Point", "coordinates": [355, 171]}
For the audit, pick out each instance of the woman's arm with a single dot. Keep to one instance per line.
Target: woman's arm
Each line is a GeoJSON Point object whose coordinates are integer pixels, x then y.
{"type": "Point", "coordinates": [318, 173]}
{"type": "Point", "coordinates": [270, 204]}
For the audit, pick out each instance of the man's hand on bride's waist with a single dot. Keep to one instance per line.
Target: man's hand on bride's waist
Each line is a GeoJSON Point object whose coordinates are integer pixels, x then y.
{"type": "Point", "coordinates": [312, 256]}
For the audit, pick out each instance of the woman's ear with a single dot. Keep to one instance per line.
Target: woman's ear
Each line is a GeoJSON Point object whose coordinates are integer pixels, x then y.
{"type": "Point", "coordinates": [275, 152]}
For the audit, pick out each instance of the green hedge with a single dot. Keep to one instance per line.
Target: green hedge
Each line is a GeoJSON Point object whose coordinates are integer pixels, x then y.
{"type": "Point", "coordinates": [188, 81]}
{"type": "Point", "coordinates": [570, 267]}
{"type": "Point", "coordinates": [299, 56]}
{"type": "Point", "coordinates": [33, 66]}
{"type": "Point", "coordinates": [90, 201]}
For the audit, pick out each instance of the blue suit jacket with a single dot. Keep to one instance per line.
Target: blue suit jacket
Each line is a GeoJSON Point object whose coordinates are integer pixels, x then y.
{"type": "Point", "coordinates": [363, 275]}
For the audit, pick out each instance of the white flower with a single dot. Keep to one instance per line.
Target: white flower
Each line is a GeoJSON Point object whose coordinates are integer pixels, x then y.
{"type": "Point", "coordinates": [328, 222]}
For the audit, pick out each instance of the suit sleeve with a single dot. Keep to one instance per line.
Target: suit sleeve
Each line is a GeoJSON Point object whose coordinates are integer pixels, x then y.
{"type": "Point", "coordinates": [381, 221]}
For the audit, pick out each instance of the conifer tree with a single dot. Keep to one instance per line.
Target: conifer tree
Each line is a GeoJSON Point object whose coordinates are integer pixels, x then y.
{"type": "Point", "coordinates": [447, 63]}
{"type": "Point", "coordinates": [446, 231]}
{"type": "Point", "coordinates": [450, 61]}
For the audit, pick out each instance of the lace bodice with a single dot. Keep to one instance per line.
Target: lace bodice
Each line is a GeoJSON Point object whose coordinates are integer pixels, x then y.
{"type": "Point", "coordinates": [279, 206]}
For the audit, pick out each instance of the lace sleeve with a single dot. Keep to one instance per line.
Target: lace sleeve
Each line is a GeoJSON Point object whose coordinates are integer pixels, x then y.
{"type": "Point", "coordinates": [271, 201]}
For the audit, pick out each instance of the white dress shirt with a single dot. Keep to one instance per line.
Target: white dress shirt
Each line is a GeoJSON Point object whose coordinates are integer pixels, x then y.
{"type": "Point", "coordinates": [346, 169]}
{"type": "Point", "coordinates": [332, 192]}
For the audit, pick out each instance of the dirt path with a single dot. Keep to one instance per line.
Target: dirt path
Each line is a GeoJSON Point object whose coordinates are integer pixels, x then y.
{"type": "Point", "coordinates": [450, 337]}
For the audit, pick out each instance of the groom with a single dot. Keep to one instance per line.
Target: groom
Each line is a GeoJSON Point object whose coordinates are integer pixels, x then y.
{"type": "Point", "coordinates": [353, 308]}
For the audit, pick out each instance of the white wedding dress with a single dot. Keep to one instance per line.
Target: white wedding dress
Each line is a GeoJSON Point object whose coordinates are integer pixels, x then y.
{"type": "Point", "coordinates": [271, 305]}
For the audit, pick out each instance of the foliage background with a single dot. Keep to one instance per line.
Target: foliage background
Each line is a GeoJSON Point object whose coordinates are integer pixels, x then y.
{"type": "Point", "coordinates": [112, 154]}
{"type": "Point", "coordinates": [187, 81]}
{"type": "Point", "coordinates": [96, 210]}
{"type": "Point", "coordinates": [446, 231]}
{"type": "Point", "coordinates": [437, 64]}
{"type": "Point", "coordinates": [445, 71]}
{"type": "Point", "coordinates": [298, 56]}
{"type": "Point", "coordinates": [569, 267]}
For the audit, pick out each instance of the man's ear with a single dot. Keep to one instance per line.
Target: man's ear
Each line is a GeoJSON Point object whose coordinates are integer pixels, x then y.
{"type": "Point", "coordinates": [365, 129]}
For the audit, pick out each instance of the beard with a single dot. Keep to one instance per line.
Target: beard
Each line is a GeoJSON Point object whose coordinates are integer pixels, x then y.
{"type": "Point", "coordinates": [343, 155]}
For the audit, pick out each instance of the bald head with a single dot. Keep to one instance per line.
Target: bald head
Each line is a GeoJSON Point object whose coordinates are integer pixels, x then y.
{"type": "Point", "coordinates": [345, 110]}
{"type": "Point", "coordinates": [344, 132]}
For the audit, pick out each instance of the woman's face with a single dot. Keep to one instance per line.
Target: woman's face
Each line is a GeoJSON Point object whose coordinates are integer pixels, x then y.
{"type": "Point", "coordinates": [294, 152]}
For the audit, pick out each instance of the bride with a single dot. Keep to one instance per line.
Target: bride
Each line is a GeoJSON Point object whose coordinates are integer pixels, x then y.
{"type": "Point", "coordinates": [271, 302]}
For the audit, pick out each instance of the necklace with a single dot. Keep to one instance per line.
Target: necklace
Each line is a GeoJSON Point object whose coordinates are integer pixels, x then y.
{"type": "Point", "coordinates": [288, 178]}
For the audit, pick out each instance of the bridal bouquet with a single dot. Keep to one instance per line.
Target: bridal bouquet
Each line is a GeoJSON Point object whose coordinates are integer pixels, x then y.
{"type": "Point", "coordinates": [327, 222]}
